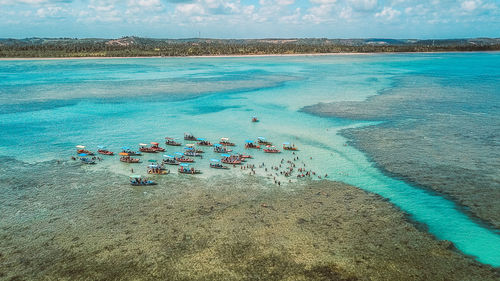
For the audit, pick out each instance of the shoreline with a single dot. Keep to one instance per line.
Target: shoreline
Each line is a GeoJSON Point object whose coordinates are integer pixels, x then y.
{"type": "Point", "coordinates": [240, 56]}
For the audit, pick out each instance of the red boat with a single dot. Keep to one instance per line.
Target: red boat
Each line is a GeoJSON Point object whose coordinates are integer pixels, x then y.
{"type": "Point", "coordinates": [244, 156]}
{"type": "Point", "coordinates": [146, 149]}
{"type": "Point", "coordinates": [88, 152]}
{"type": "Point", "coordinates": [184, 159]}
{"type": "Point", "coordinates": [105, 152]}
{"type": "Point", "coordinates": [127, 159]}
{"type": "Point", "coordinates": [226, 142]}
{"type": "Point", "coordinates": [287, 146]}
{"type": "Point", "coordinates": [233, 160]}
{"type": "Point", "coordinates": [250, 144]}
{"type": "Point", "coordinates": [81, 149]}
{"type": "Point", "coordinates": [155, 146]}
{"type": "Point", "coordinates": [271, 149]}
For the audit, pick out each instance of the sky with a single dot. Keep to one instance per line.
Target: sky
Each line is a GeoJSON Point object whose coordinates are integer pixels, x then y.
{"type": "Point", "coordinates": [423, 19]}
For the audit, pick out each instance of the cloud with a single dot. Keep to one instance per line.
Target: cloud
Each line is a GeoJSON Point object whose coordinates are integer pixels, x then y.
{"type": "Point", "coordinates": [362, 5]}
{"type": "Point", "coordinates": [470, 5]}
{"type": "Point", "coordinates": [285, 2]}
{"type": "Point", "coordinates": [51, 12]}
{"type": "Point", "coordinates": [32, 2]}
{"type": "Point", "coordinates": [388, 14]}
{"type": "Point", "coordinates": [315, 17]}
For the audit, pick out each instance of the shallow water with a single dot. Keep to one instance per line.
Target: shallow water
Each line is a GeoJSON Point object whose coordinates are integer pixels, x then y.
{"type": "Point", "coordinates": [48, 107]}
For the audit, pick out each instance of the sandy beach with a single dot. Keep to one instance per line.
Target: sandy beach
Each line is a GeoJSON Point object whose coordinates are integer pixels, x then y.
{"type": "Point", "coordinates": [239, 56]}
{"type": "Point", "coordinates": [207, 56]}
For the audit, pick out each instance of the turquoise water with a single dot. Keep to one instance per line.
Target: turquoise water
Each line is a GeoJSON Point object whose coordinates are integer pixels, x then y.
{"type": "Point", "coordinates": [48, 107]}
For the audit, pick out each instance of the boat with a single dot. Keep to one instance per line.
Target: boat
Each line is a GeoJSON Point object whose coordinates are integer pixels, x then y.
{"type": "Point", "coordinates": [172, 142]}
{"type": "Point", "coordinates": [230, 159]}
{"type": "Point", "coordinates": [157, 169]}
{"type": "Point", "coordinates": [102, 150]}
{"type": "Point", "coordinates": [130, 152]}
{"type": "Point", "coordinates": [226, 142]}
{"type": "Point", "coordinates": [191, 146]}
{"type": "Point", "coordinates": [156, 147]}
{"type": "Point", "coordinates": [254, 119]}
{"type": "Point", "coordinates": [137, 180]}
{"type": "Point", "coordinates": [215, 164]}
{"type": "Point", "coordinates": [81, 149]}
{"type": "Point", "coordinates": [287, 146]}
{"type": "Point", "coordinates": [218, 148]}
{"type": "Point", "coordinates": [251, 144]}
{"type": "Point", "coordinates": [125, 157]}
{"type": "Point", "coordinates": [262, 140]}
{"type": "Point", "coordinates": [169, 160]}
{"type": "Point", "coordinates": [186, 169]}
{"type": "Point", "coordinates": [182, 158]}
{"type": "Point", "coordinates": [203, 142]}
{"type": "Point", "coordinates": [271, 149]}
{"type": "Point", "coordinates": [85, 160]}
{"type": "Point", "coordinates": [191, 152]}
{"type": "Point", "coordinates": [143, 148]}
{"type": "Point", "coordinates": [189, 137]}
{"type": "Point", "coordinates": [245, 156]}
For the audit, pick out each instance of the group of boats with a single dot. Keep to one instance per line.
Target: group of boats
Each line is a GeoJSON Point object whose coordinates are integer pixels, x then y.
{"type": "Point", "coordinates": [183, 159]}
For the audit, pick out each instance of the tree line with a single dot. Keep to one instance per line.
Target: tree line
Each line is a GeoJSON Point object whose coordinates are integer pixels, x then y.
{"type": "Point", "coordinates": [136, 48]}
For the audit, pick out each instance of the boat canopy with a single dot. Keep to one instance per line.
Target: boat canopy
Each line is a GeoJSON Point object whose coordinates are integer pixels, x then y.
{"type": "Point", "coordinates": [261, 138]}
{"type": "Point", "coordinates": [189, 144]}
{"type": "Point", "coordinates": [225, 155]}
{"type": "Point", "coordinates": [123, 153]}
{"type": "Point", "coordinates": [248, 141]}
{"type": "Point", "coordinates": [179, 153]}
{"type": "Point", "coordinates": [136, 176]}
{"type": "Point", "coordinates": [224, 139]}
{"type": "Point", "coordinates": [152, 160]}
{"type": "Point", "coordinates": [125, 148]}
{"type": "Point", "coordinates": [184, 164]}
{"type": "Point", "coordinates": [201, 139]}
{"type": "Point", "coordinates": [153, 165]}
{"type": "Point", "coordinates": [189, 148]}
{"type": "Point", "coordinates": [169, 138]}
{"type": "Point", "coordinates": [286, 143]}
{"type": "Point", "coordinates": [80, 146]}
{"type": "Point", "coordinates": [101, 147]}
{"type": "Point", "coordinates": [217, 144]}
{"type": "Point", "coordinates": [143, 144]}
{"type": "Point", "coordinates": [168, 156]}
{"type": "Point", "coordinates": [82, 154]}
{"type": "Point", "coordinates": [215, 160]}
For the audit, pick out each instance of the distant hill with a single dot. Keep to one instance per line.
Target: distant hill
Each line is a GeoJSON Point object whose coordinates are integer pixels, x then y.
{"type": "Point", "coordinates": [138, 46]}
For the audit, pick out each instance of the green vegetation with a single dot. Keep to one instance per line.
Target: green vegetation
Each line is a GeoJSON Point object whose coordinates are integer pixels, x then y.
{"type": "Point", "coordinates": [136, 46]}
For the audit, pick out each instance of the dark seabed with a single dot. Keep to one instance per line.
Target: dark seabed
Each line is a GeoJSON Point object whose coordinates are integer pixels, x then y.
{"type": "Point", "coordinates": [439, 133]}
{"type": "Point", "coordinates": [93, 227]}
